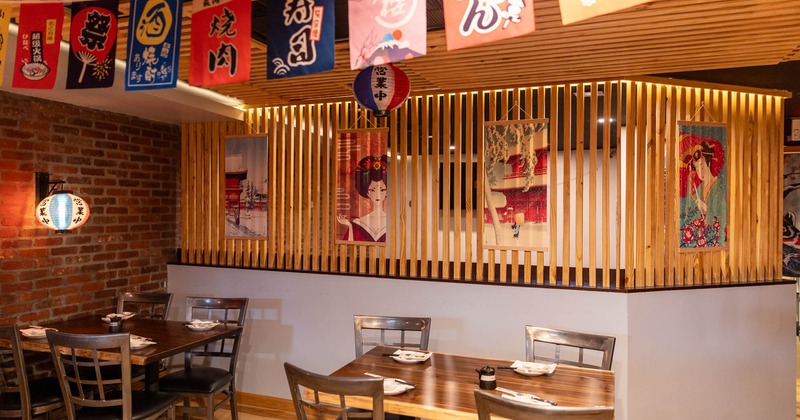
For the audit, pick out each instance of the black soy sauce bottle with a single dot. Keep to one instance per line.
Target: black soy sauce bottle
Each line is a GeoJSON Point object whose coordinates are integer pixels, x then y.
{"type": "Point", "coordinates": [487, 377]}
{"type": "Point", "coordinates": [115, 324]}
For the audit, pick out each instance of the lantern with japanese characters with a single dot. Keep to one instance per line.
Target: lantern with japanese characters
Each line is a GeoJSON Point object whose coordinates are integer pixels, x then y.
{"type": "Point", "coordinates": [381, 88]}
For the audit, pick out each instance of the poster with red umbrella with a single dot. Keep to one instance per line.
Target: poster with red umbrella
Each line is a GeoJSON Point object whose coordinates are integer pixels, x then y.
{"type": "Point", "coordinates": [38, 45]}
{"type": "Point", "coordinates": [92, 44]}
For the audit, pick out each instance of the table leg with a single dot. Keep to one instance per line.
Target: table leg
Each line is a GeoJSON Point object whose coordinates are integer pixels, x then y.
{"type": "Point", "coordinates": [151, 376]}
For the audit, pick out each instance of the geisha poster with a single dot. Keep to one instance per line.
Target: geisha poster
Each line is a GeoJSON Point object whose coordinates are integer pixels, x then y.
{"type": "Point", "coordinates": [92, 44]}
{"type": "Point", "coordinates": [362, 186]}
{"type": "Point", "coordinates": [516, 185]}
{"type": "Point", "coordinates": [153, 44]}
{"type": "Point", "coordinates": [791, 214]}
{"type": "Point", "coordinates": [220, 42]}
{"type": "Point", "coordinates": [383, 32]}
{"type": "Point", "coordinates": [475, 22]}
{"type": "Point", "coordinates": [703, 195]}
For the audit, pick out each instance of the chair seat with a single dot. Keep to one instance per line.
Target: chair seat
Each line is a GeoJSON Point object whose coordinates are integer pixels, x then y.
{"type": "Point", "coordinates": [199, 380]}
{"type": "Point", "coordinates": [44, 391]}
{"type": "Point", "coordinates": [145, 405]}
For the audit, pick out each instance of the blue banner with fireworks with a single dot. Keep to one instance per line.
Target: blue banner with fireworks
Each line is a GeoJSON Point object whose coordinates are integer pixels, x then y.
{"type": "Point", "coordinates": [153, 44]}
{"type": "Point", "coordinates": [93, 44]}
{"type": "Point", "coordinates": [300, 37]}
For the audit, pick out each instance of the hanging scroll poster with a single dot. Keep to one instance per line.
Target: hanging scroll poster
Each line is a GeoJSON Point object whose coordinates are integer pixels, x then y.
{"type": "Point", "coordinates": [5, 19]}
{"type": "Point", "coordinates": [246, 197]}
{"type": "Point", "coordinates": [516, 185]}
{"type": "Point", "coordinates": [703, 174]}
{"type": "Point", "coordinates": [300, 37]}
{"type": "Point", "coordinates": [475, 22]}
{"type": "Point", "coordinates": [220, 50]}
{"type": "Point", "coordinates": [383, 32]}
{"type": "Point", "coordinates": [153, 44]}
{"type": "Point", "coordinates": [362, 170]}
{"type": "Point", "coordinates": [791, 212]}
{"type": "Point", "coordinates": [92, 44]}
{"type": "Point", "coordinates": [38, 45]}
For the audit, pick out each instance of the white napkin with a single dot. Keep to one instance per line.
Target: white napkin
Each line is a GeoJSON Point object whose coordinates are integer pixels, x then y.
{"type": "Point", "coordinates": [524, 397]}
{"type": "Point", "coordinates": [124, 315]}
{"type": "Point", "coordinates": [35, 331]}
{"type": "Point", "coordinates": [392, 386]}
{"type": "Point", "coordinates": [412, 355]}
{"type": "Point", "coordinates": [534, 367]}
{"type": "Point", "coordinates": [203, 323]}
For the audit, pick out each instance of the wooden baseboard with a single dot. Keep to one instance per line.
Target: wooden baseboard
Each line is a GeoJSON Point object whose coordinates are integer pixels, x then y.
{"type": "Point", "coordinates": [263, 401]}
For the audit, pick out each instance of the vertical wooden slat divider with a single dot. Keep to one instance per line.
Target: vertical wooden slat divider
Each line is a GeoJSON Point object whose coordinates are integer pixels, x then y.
{"type": "Point", "coordinates": [592, 225]}
{"type": "Point", "coordinates": [296, 216]}
{"type": "Point", "coordinates": [618, 208]}
{"type": "Point", "coordinates": [542, 113]}
{"type": "Point", "coordinates": [479, 194]}
{"type": "Point", "coordinates": [391, 240]}
{"type": "Point", "coordinates": [187, 189]}
{"type": "Point", "coordinates": [552, 172]}
{"type": "Point", "coordinates": [641, 181]}
{"type": "Point", "coordinates": [210, 221]}
{"type": "Point", "coordinates": [567, 181]}
{"type": "Point", "coordinates": [424, 186]}
{"type": "Point", "coordinates": [606, 187]}
{"type": "Point", "coordinates": [357, 120]}
{"type": "Point", "coordinates": [469, 178]}
{"type": "Point", "coordinates": [414, 194]}
{"type": "Point", "coordinates": [504, 115]}
{"type": "Point", "coordinates": [203, 169]}
{"type": "Point", "coordinates": [514, 114]}
{"type": "Point", "coordinates": [271, 125]}
{"type": "Point", "coordinates": [680, 264]}
{"type": "Point", "coordinates": [457, 182]}
{"type": "Point", "coordinates": [733, 189]}
{"type": "Point", "coordinates": [446, 185]}
{"type": "Point", "coordinates": [401, 204]}
{"type": "Point", "coordinates": [776, 171]}
{"type": "Point", "coordinates": [671, 222]}
{"type": "Point", "coordinates": [580, 116]}
{"type": "Point", "coordinates": [280, 197]}
{"type": "Point", "coordinates": [436, 186]}
{"type": "Point", "coordinates": [314, 189]}
{"type": "Point", "coordinates": [653, 177]}
{"type": "Point", "coordinates": [490, 253]}
{"type": "Point", "coordinates": [760, 170]}
{"type": "Point", "coordinates": [631, 95]}
{"type": "Point", "coordinates": [527, 260]}
{"type": "Point", "coordinates": [216, 203]}
{"type": "Point", "coordinates": [344, 124]}
{"type": "Point", "coordinates": [325, 142]}
{"type": "Point", "coordinates": [306, 185]}
{"type": "Point", "coordinates": [660, 149]}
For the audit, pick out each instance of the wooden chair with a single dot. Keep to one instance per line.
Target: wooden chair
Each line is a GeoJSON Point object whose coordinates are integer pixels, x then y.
{"type": "Point", "coordinates": [405, 332]}
{"type": "Point", "coordinates": [578, 344]}
{"type": "Point", "coordinates": [301, 381]}
{"type": "Point", "coordinates": [195, 381]}
{"type": "Point", "coordinates": [148, 304]}
{"type": "Point", "coordinates": [489, 404]}
{"type": "Point", "coordinates": [16, 398]}
{"type": "Point", "coordinates": [97, 396]}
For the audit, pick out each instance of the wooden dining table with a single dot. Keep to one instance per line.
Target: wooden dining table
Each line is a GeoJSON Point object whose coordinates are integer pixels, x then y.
{"type": "Point", "coordinates": [444, 384]}
{"type": "Point", "coordinates": [171, 338]}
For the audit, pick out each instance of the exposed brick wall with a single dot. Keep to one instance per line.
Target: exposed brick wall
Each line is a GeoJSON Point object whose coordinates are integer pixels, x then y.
{"type": "Point", "coordinates": [128, 171]}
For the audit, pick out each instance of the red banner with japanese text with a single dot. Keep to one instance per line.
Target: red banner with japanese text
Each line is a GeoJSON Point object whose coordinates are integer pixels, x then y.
{"type": "Point", "coordinates": [474, 22]}
{"type": "Point", "coordinates": [220, 42]}
{"type": "Point", "coordinates": [38, 45]}
{"type": "Point", "coordinates": [92, 44]}
{"type": "Point", "coordinates": [5, 19]}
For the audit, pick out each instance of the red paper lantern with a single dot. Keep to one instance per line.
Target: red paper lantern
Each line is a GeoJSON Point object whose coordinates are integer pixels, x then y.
{"type": "Point", "coordinates": [381, 88]}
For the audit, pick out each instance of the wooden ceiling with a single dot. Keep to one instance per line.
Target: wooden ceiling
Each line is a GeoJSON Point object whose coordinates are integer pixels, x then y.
{"type": "Point", "coordinates": [658, 37]}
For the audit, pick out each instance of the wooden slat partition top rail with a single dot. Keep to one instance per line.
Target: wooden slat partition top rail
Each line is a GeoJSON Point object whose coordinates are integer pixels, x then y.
{"type": "Point", "coordinates": [613, 209]}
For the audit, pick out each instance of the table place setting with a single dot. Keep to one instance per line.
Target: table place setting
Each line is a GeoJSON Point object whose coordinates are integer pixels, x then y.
{"type": "Point", "coordinates": [35, 331]}
{"type": "Point", "coordinates": [392, 386]}
{"type": "Point", "coordinates": [123, 316]}
{"type": "Point", "coordinates": [409, 356]}
{"type": "Point", "coordinates": [201, 325]}
{"type": "Point", "coordinates": [139, 342]}
{"type": "Point", "coordinates": [531, 368]}
{"type": "Point", "coordinates": [523, 397]}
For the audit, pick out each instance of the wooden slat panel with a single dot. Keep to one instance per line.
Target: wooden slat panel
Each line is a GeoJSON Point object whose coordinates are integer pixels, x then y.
{"type": "Point", "coordinates": [579, 187]}
{"type": "Point", "coordinates": [469, 180]}
{"type": "Point", "coordinates": [436, 146]}
{"type": "Point", "coordinates": [447, 183]}
{"type": "Point", "coordinates": [592, 227]}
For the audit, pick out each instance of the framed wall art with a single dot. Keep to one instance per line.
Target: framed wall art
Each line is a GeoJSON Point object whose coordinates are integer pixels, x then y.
{"type": "Point", "coordinates": [516, 185]}
{"type": "Point", "coordinates": [791, 212]}
{"type": "Point", "coordinates": [246, 199]}
{"type": "Point", "coordinates": [362, 186]}
{"type": "Point", "coordinates": [703, 176]}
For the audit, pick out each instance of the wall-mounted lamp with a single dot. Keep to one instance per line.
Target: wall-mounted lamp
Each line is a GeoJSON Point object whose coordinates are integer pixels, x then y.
{"type": "Point", "coordinates": [58, 209]}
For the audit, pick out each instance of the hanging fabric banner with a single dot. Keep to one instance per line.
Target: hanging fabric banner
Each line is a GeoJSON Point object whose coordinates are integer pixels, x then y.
{"type": "Point", "coordinates": [576, 10]}
{"type": "Point", "coordinates": [362, 174]}
{"type": "Point", "coordinates": [300, 37]}
{"type": "Point", "coordinates": [383, 32]}
{"type": "Point", "coordinates": [220, 42]}
{"type": "Point", "coordinates": [154, 42]}
{"type": "Point", "coordinates": [5, 19]}
{"type": "Point", "coordinates": [92, 44]}
{"type": "Point", "coordinates": [473, 22]}
{"type": "Point", "coordinates": [38, 45]}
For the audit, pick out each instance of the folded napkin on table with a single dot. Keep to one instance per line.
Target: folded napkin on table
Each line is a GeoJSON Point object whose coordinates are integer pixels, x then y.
{"type": "Point", "coordinates": [524, 397]}
{"type": "Point", "coordinates": [35, 331]}
{"type": "Point", "coordinates": [534, 367]}
{"type": "Point", "coordinates": [412, 355]}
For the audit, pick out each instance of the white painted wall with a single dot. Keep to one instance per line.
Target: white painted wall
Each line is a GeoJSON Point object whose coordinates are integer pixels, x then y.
{"type": "Point", "coordinates": [691, 354]}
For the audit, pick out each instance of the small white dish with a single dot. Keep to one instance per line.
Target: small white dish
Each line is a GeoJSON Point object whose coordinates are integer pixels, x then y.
{"type": "Point", "coordinates": [140, 342]}
{"type": "Point", "coordinates": [533, 368]}
{"type": "Point", "coordinates": [124, 316]}
{"type": "Point", "coordinates": [392, 387]}
{"type": "Point", "coordinates": [34, 332]}
{"type": "Point", "coordinates": [200, 325]}
{"type": "Point", "coordinates": [406, 356]}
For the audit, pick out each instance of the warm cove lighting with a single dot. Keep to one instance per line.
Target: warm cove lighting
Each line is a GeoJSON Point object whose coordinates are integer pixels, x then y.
{"type": "Point", "coordinates": [58, 210]}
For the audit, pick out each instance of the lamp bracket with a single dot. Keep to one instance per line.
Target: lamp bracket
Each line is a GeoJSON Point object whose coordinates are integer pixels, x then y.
{"type": "Point", "coordinates": [45, 187]}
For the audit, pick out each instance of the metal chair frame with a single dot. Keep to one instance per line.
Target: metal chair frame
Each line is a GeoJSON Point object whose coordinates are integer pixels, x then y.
{"type": "Point", "coordinates": [391, 323]}
{"type": "Point", "coordinates": [342, 387]}
{"type": "Point", "coordinates": [563, 338]}
{"type": "Point", "coordinates": [147, 303]}
{"type": "Point", "coordinates": [489, 404]}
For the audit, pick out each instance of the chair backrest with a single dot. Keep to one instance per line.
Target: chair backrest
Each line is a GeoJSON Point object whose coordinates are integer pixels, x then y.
{"type": "Point", "coordinates": [371, 331]}
{"type": "Point", "coordinates": [74, 354]}
{"type": "Point", "coordinates": [149, 304]}
{"type": "Point", "coordinates": [231, 311]}
{"type": "Point", "coordinates": [302, 383]}
{"type": "Point", "coordinates": [489, 404]}
{"type": "Point", "coordinates": [13, 377]}
{"type": "Point", "coordinates": [569, 347]}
